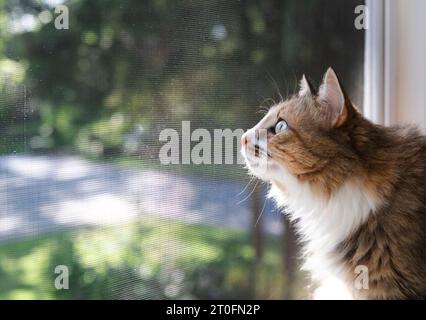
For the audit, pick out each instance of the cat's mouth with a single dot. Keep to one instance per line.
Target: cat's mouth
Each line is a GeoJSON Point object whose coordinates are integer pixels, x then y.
{"type": "Point", "coordinates": [258, 159]}
{"type": "Point", "coordinates": [256, 152]}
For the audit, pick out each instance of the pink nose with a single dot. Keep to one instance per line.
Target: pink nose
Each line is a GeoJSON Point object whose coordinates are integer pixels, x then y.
{"type": "Point", "coordinates": [244, 139]}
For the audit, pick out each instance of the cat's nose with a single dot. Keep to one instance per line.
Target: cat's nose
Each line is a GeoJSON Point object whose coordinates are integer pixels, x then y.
{"type": "Point", "coordinates": [244, 140]}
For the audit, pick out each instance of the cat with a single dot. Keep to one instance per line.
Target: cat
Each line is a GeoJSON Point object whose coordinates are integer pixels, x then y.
{"type": "Point", "coordinates": [355, 191]}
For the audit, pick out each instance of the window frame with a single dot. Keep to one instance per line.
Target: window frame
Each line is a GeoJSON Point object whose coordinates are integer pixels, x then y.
{"type": "Point", "coordinates": [395, 63]}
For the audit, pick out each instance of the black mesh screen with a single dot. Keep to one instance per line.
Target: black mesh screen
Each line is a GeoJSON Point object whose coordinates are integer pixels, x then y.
{"type": "Point", "coordinates": [87, 209]}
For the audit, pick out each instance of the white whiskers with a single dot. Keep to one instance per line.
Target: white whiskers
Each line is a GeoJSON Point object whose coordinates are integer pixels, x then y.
{"type": "Point", "coordinates": [248, 196]}
{"type": "Point", "coordinates": [261, 212]}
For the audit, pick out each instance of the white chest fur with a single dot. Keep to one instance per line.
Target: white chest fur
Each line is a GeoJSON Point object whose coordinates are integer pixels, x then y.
{"type": "Point", "coordinates": [323, 223]}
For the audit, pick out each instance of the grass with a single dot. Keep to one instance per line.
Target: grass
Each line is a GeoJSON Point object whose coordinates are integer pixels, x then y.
{"type": "Point", "coordinates": [154, 258]}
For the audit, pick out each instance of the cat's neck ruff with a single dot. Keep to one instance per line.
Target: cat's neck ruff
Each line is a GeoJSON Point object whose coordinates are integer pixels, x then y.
{"type": "Point", "coordinates": [323, 222]}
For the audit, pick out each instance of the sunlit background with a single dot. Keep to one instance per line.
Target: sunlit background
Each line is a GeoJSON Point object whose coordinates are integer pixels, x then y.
{"type": "Point", "coordinates": [81, 109]}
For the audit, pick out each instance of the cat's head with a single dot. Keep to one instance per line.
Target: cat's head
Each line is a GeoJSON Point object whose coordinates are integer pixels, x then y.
{"type": "Point", "coordinates": [307, 137]}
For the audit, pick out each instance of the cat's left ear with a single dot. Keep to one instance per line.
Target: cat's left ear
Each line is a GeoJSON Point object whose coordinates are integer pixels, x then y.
{"type": "Point", "coordinates": [332, 94]}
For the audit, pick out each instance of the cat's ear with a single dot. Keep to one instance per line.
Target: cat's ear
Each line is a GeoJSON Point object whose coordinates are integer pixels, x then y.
{"type": "Point", "coordinates": [306, 87]}
{"type": "Point", "coordinates": [332, 94]}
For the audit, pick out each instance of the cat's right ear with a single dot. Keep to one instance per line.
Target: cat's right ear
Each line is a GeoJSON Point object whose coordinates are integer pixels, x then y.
{"type": "Point", "coordinates": [306, 87]}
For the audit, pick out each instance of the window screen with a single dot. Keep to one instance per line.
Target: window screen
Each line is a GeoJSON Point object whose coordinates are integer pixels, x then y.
{"type": "Point", "coordinates": [92, 203]}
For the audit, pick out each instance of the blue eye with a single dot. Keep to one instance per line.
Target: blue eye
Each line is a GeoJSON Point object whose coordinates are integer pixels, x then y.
{"type": "Point", "coordinates": [281, 126]}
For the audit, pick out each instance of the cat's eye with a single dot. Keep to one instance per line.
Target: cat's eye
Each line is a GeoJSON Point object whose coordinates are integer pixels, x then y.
{"type": "Point", "coordinates": [281, 126]}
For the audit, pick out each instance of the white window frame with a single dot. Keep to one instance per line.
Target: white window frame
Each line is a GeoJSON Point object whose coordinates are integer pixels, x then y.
{"type": "Point", "coordinates": [395, 62]}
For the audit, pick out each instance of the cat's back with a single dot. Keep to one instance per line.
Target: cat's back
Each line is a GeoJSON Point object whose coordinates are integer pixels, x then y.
{"type": "Point", "coordinates": [410, 150]}
{"type": "Point", "coordinates": [392, 242]}
{"type": "Point", "coordinates": [403, 217]}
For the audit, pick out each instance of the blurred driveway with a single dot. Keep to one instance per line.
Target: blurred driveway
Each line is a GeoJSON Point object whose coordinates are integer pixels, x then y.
{"type": "Point", "coordinates": [49, 193]}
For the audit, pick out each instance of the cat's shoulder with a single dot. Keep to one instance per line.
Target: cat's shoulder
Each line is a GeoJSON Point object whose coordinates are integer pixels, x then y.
{"type": "Point", "coordinates": [408, 140]}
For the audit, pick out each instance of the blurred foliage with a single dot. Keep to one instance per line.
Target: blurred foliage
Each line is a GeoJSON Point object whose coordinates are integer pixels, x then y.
{"type": "Point", "coordinates": [107, 86]}
{"type": "Point", "coordinates": [153, 259]}
{"type": "Point", "coordinates": [153, 63]}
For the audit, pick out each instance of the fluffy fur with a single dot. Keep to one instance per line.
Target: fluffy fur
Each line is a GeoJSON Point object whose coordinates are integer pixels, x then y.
{"type": "Point", "coordinates": [356, 191]}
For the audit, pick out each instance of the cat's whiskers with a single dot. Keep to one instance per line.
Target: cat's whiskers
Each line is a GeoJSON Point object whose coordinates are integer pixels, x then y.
{"type": "Point", "coordinates": [252, 178]}
{"type": "Point", "coordinates": [274, 83]}
{"type": "Point", "coordinates": [261, 212]}
{"type": "Point", "coordinates": [263, 110]}
{"type": "Point", "coordinates": [251, 192]}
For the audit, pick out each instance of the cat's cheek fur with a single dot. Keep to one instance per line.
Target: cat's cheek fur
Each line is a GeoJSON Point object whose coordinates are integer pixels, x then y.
{"type": "Point", "coordinates": [322, 222]}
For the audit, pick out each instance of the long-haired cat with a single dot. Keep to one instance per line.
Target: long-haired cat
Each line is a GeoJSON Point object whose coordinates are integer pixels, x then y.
{"type": "Point", "coordinates": [356, 191]}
